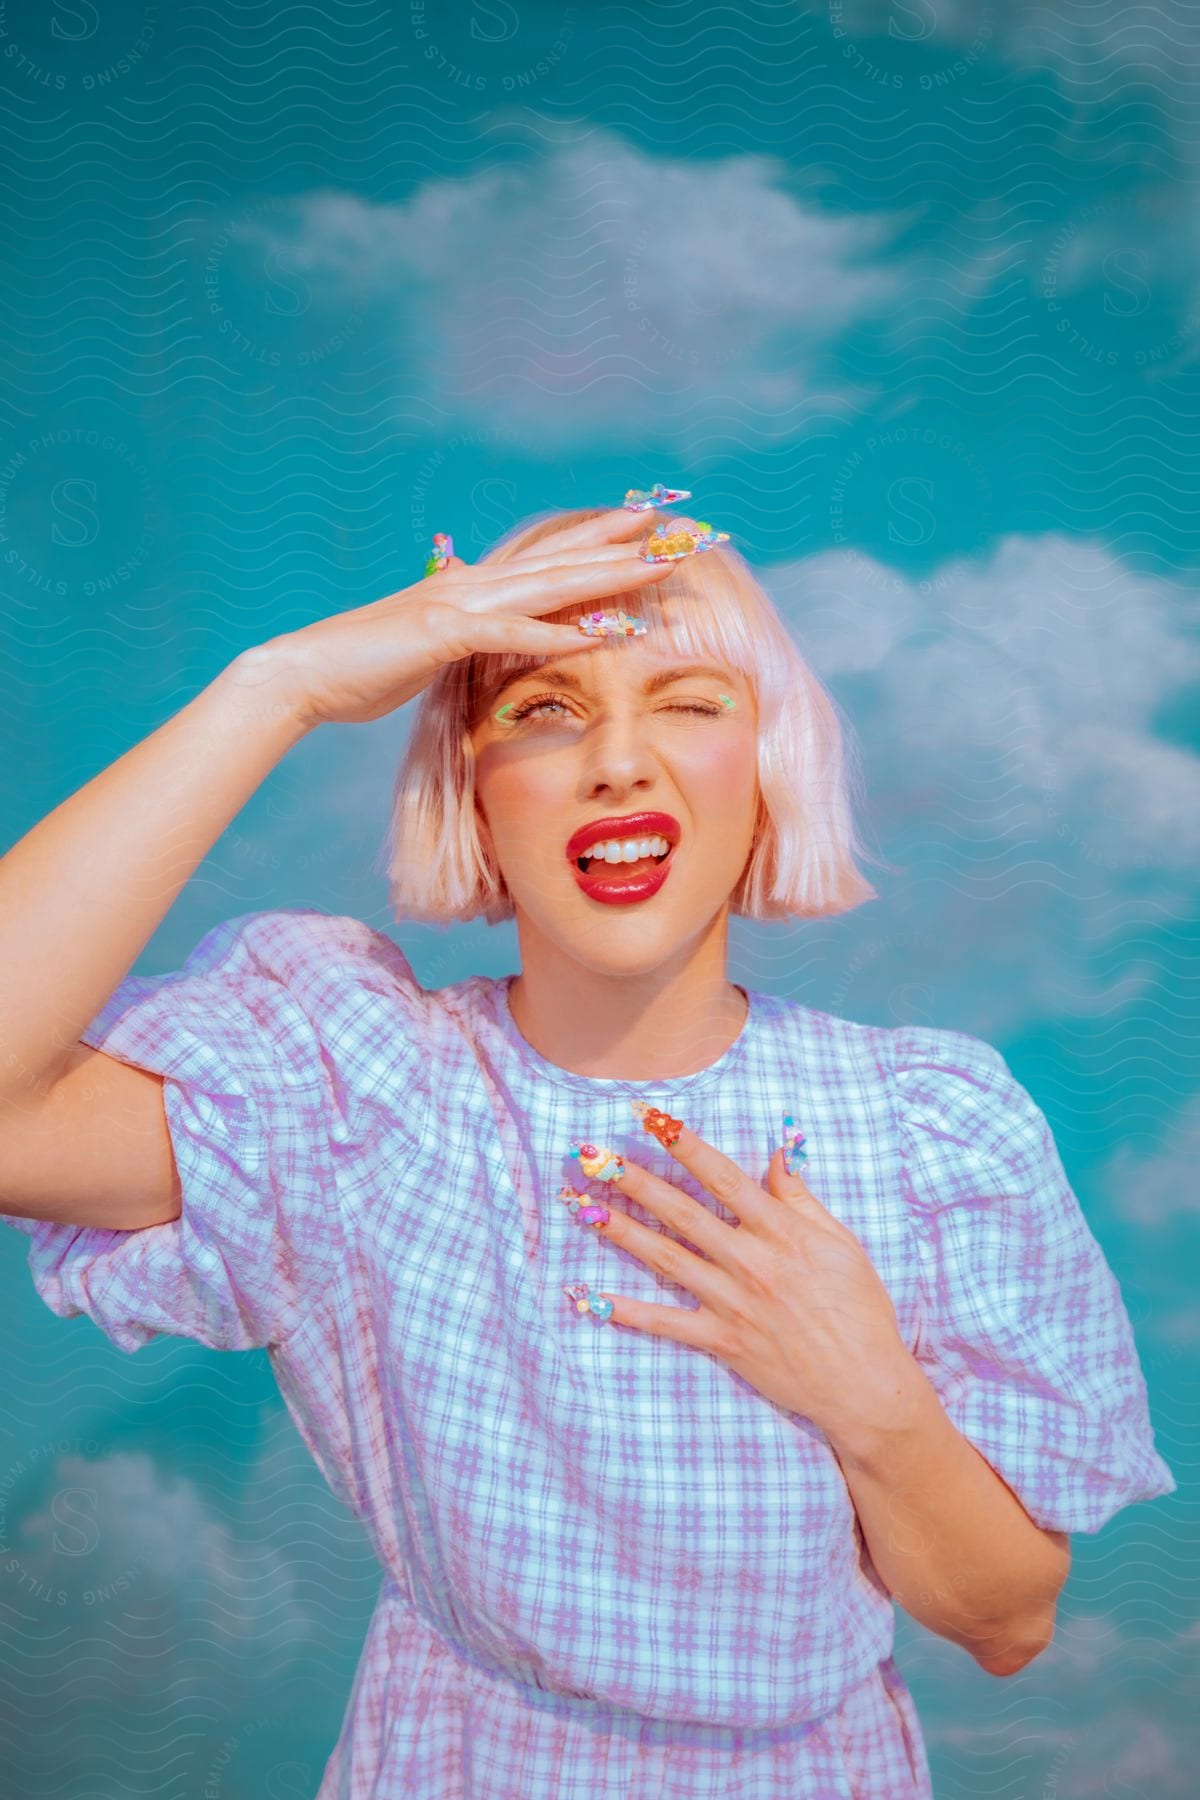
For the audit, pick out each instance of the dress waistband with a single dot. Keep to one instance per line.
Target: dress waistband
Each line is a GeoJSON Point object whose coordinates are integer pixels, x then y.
{"type": "Point", "coordinates": [398, 1608]}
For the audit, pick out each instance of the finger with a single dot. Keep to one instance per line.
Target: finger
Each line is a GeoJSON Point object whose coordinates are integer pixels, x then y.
{"type": "Point", "coordinates": [437, 574]}
{"type": "Point", "coordinates": [616, 527]}
{"type": "Point", "coordinates": [786, 1186]}
{"type": "Point", "coordinates": [553, 562]}
{"type": "Point", "coordinates": [603, 578]}
{"type": "Point", "coordinates": [686, 1324]}
{"type": "Point", "coordinates": [679, 1264]}
{"type": "Point", "coordinates": [610, 527]}
{"type": "Point", "coordinates": [678, 1211]}
{"type": "Point", "coordinates": [529, 637]}
{"type": "Point", "coordinates": [719, 1175]}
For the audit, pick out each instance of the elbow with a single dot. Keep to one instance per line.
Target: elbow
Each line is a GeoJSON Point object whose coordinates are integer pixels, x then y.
{"type": "Point", "coordinates": [1011, 1664]}
{"type": "Point", "coordinates": [1027, 1637]}
{"type": "Point", "coordinates": [1022, 1648]}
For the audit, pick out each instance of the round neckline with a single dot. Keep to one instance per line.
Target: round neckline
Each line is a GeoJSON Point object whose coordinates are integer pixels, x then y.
{"type": "Point", "coordinates": [611, 1084]}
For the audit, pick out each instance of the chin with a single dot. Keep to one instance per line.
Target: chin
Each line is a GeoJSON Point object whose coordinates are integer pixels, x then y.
{"type": "Point", "coordinates": [630, 943]}
{"type": "Point", "coordinates": [619, 959]}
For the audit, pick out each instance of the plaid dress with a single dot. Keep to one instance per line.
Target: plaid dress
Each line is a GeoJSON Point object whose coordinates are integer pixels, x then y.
{"type": "Point", "coordinates": [610, 1567]}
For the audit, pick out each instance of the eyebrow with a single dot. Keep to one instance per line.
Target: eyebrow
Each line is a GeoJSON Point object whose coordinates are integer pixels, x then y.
{"type": "Point", "coordinates": [651, 685]}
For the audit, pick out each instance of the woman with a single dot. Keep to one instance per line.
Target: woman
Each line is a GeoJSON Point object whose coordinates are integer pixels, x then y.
{"type": "Point", "coordinates": [859, 1344]}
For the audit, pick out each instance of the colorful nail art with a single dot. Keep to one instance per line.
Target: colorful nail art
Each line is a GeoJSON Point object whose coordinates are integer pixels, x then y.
{"type": "Point", "coordinates": [646, 499]}
{"type": "Point", "coordinates": [583, 1300]}
{"type": "Point", "coordinates": [597, 1164]}
{"type": "Point", "coordinates": [585, 1210]}
{"type": "Point", "coordinates": [439, 556]}
{"type": "Point", "coordinates": [607, 624]}
{"type": "Point", "coordinates": [793, 1139]}
{"type": "Point", "coordinates": [679, 539]}
{"type": "Point", "coordinates": [660, 1125]}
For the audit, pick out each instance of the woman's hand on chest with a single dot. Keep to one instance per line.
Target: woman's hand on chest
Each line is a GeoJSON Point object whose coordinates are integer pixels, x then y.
{"type": "Point", "coordinates": [790, 1300]}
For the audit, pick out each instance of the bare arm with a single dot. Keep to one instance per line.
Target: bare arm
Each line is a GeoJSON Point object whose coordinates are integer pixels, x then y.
{"type": "Point", "coordinates": [84, 891]}
{"type": "Point", "coordinates": [83, 1136]}
{"type": "Point", "coordinates": [950, 1540]}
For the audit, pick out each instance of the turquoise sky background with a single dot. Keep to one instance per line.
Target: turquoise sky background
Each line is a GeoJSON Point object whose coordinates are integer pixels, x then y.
{"type": "Point", "coordinates": [909, 294]}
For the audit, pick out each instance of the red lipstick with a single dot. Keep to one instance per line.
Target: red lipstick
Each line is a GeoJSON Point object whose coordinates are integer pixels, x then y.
{"type": "Point", "coordinates": [617, 884]}
{"type": "Point", "coordinates": [643, 824]}
{"type": "Point", "coordinates": [624, 890]}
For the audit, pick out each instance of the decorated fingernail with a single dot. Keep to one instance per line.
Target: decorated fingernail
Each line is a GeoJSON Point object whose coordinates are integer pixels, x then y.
{"type": "Point", "coordinates": [597, 1163]}
{"type": "Point", "coordinates": [439, 556]}
{"type": "Point", "coordinates": [660, 1125]}
{"type": "Point", "coordinates": [646, 499]}
{"type": "Point", "coordinates": [793, 1139]}
{"type": "Point", "coordinates": [670, 543]}
{"type": "Point", "coordinates": [611, 624]}
{"type": "Point", "coordinates": [583, 1300]}
{"type": "Point", "coordinates": [587, 1211]}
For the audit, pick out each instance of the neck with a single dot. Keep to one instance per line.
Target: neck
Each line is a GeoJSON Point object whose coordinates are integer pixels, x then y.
{"type": "Point", "coordinates": [650, 1025]}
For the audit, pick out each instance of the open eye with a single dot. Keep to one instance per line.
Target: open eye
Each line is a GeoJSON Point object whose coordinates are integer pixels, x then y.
{"type": "Point", "coordinates": [533, 707]}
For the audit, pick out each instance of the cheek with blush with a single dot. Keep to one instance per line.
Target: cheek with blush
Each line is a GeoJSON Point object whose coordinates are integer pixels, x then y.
{"type": "Point", "coordinates": [515, 797]}
{"type": "Point", "coordinates": [510, 793]}
{"type": "Point", "coordinates": [718, 779]}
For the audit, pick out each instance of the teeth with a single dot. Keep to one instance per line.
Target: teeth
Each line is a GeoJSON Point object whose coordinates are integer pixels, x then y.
{"type": "Point", "coordinates": [616, 850]}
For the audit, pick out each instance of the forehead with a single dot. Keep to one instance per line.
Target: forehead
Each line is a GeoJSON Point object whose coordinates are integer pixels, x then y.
{"type": "Point", "coordinates": [625, 662]}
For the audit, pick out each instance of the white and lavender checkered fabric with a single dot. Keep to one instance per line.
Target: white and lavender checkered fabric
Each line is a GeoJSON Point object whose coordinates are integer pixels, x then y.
{"type": "Point", "coordinates": [611, 1567]}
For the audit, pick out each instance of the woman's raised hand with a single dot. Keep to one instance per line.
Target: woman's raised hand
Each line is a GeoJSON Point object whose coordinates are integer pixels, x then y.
{"type": "Point", "coordinates": [360, 665]}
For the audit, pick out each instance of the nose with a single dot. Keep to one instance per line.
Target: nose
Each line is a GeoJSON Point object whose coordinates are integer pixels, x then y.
{"type": "Point", "coordinates": [618, 759]}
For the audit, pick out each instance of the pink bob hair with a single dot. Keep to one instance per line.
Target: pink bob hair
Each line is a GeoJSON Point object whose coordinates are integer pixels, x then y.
{"type": "Point", "coordinates": [709, 607]}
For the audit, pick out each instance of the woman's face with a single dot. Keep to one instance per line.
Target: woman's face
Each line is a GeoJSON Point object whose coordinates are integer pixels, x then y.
{"type": "Point", "coordinates": [600, 737]}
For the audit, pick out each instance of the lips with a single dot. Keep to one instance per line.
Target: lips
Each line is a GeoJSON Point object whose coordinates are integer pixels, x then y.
{"type": "Point", "coordinates": [603, 882]}
{"type": "Point", "coordinates": [643, 824]}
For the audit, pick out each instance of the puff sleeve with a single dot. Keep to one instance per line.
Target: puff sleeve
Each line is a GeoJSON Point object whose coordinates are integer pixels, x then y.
{"type": "Point", "coordinates": [251, 1037]}
{"type": "Point", "coordinates": [1024, 1334]}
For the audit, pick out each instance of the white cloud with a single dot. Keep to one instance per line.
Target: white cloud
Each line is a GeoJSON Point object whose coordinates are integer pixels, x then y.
{"type": "Point", "coordinates": [1047, 658]}
{"type": "Point", "coordinates": [1005, 709]}
{"type": "Point", "coordinates": [1101, 55]}
{"type": "Point", "coordinates": [1177, 1329]}
{"type": "Point", "coordinates": [1105, 1710]}
{"type": "Point", "coordinates": [1159, 41]}
{"type": "Point", "coordinates": [141, 1595]}
{"type": "Point", "coordinates": [1123, 1752]}
{"type": "Point", "coordinates": [117, 1536]}
{"type": "Point", "coordinates": [1083, 41]}
{"type": "Point", "coordinates": [1152, 1191]}
{"type": "Point", "coordinates": [601, 291]}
